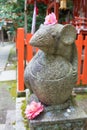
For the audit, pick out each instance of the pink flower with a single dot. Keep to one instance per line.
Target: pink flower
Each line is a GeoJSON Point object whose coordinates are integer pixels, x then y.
{"type": "Point", "coordinates": [33, 109]}
{"type": "Point", "coordinates": [50, 19]}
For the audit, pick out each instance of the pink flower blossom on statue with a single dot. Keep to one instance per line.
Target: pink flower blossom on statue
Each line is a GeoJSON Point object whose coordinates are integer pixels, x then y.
{"type": "Point", "coordinates": [33, 109]}
{"type": "Point", "coordinates": [50, 19]}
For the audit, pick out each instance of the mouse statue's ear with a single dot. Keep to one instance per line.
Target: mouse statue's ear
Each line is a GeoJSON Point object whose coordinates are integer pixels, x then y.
{"type": "Point", "coordinates": [68, 34]}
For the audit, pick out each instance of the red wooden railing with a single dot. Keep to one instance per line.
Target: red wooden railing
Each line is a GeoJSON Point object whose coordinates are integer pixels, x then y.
{"type": "Point", "coordinates": [25, 53]}
{"type": "Point", "coordinates": [29, 52]}
{"type": "Point", "coordinates": [82, 59]}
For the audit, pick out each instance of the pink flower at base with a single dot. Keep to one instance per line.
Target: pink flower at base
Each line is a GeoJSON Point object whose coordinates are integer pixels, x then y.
{"type": "Point", "coordinates": [33, 109]}
{"type": "Point", "coordinates": [50, 19]}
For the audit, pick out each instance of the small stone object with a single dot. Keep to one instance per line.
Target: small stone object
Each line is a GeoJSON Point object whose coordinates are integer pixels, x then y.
{"type": "Point", "coordinates": [68, 110]}
{"type": "Point", "coordinates": [72, 108]}
{"type": "Point", "coordinates": [66, 114]}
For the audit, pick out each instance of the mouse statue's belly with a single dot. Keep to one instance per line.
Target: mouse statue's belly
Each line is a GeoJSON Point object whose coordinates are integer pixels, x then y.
{"type": "Point", "coordinates": [50, 78]}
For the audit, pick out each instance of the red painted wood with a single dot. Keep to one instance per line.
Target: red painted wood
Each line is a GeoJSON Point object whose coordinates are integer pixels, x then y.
{"type": "Point", "coordinates": [79, 43]}
{"type": "Point", "coordinates": [20, 49]}
{"type": "Point", "coordinates": [29, 48]}
{"type": "Point", "coordinates": [54, 5]}
{"type": "Point", "coordinates": [82, 59]}
{"type": "Point", "coordinates": [56, 9]}
{"type": "Point", "coordinates": [79, 5]}
{"type": "Point", "coordinates": [32, 1]}
{"type": "Point", "coordinates": [84, 80]}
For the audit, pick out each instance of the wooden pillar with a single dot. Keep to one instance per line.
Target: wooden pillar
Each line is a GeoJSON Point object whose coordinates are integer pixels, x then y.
{"type": "Point", "coordinates": [20, 53]}
{"type": "Point", "coordinates": [29, 48]}
{"type": "Point", "coordinates": [55, 5]}
{"type": "Point", "coordinates": [50, 6]}
{"type": "Point", "coordinates": [75, 8]}
{"type": "Point", "coordinates": [56, 9]}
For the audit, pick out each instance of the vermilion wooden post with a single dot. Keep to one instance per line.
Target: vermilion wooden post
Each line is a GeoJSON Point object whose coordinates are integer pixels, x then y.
{"type": "Point", "coordinates": [49, 6]}
{"type": "Point", "coordinates": [29, 48]}
{"type": "Point", "coordinates": [84, 80]}
{"type": "Point", "coordinates": [54, 4]}
{"type": "Point", "coordinates": [20, 49]}
{"type": "Point", "coordinates": [56, 9]}
{"type": "Point", "coordinates": [79, 42]}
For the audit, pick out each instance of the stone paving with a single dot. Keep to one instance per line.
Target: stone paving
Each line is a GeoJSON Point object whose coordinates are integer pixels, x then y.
{"type": "Point", "coordinates": [19, 118]}
{"type": "Point", "coordinates": [10, 120]}
{"type": "Point", "coordinates": [10, 110]}
{"type": "Point", "coordinates": [2, 126]}
{"type": "Point", "coordinates": [4, 53]}
{"type": "Point", "coordinates": [6, 102]}
{"type": "Point", "coordinates": [8, 75]}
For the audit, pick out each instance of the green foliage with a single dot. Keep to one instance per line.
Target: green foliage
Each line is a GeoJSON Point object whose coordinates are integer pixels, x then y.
{"type": "Point", "coordinates": [40, 17]}
{"type": "Point", "coordinates": [18, 10]}
{"type": "Point", "coordinates": [15, 11]}
{"type": "Point", "coordinates": [3, 1]}
{"type": "Point", "coordinates": [12, 88]}
{"type": "Point", "coordinates": [80, 97]}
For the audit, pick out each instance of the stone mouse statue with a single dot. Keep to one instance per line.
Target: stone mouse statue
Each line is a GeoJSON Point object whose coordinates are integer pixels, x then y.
{"type": "Point", "coordinates": [52, 72]}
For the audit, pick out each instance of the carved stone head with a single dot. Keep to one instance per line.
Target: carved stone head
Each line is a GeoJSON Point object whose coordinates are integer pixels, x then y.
{"type": "Point", "coordinates": [49, 37]}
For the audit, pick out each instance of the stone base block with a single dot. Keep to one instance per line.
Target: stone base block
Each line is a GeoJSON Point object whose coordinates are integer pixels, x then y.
{"type": "Point", "coordinates": [72, 118]}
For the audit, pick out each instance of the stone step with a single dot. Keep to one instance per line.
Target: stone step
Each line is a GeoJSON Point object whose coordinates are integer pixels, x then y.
{"type": "Point", "coordinates": [10, 120]}
{"type": "Point", "coordinates": [2, 126]}
{"type": "Point", "coordinates": [8, 75]}
{"type": "Point", "coordinates": [19, 118]}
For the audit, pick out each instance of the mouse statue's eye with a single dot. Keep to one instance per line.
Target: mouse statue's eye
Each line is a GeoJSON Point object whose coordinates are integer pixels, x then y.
{"type": "Point", "coordinates": [56, 35]}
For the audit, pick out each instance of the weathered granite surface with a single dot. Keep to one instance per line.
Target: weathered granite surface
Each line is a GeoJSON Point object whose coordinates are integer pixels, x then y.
{"type": "Point", "coordinates": [52, 73]}
{"type": "Point", "coordinates": [72, 118]}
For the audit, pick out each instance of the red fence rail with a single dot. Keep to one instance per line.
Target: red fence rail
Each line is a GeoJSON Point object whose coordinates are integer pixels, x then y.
{"type": "Point", "coordinates": [81, 44]}
{"type": "Point", "coordinates": [25, 52]}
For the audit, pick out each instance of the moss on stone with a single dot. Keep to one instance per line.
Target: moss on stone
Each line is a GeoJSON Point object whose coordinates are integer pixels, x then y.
{"type": "Point", "coordinates": [23, 107]}
{"type": "Point", "coordinates": [11, 87]}
{"type": "Point", "coordinates": [81, 96]}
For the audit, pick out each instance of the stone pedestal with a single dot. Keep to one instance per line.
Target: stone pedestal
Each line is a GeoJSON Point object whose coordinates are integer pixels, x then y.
{"type": "Point", "coordinates": [72, 118]}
